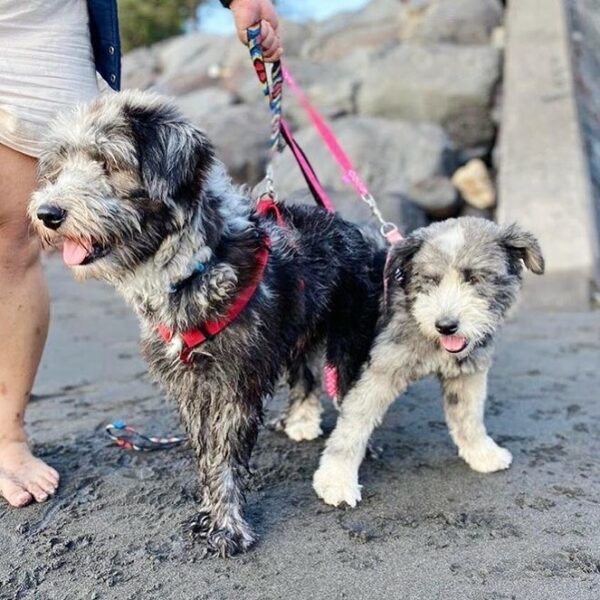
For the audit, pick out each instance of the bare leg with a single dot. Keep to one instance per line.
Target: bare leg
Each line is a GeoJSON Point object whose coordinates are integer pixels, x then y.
{"type": "Point", "coordinates": [336, 479]}
{"type": "Point", "coordinates": [464, 400]}
{"type": "Point", "coordinates": [23, 329]}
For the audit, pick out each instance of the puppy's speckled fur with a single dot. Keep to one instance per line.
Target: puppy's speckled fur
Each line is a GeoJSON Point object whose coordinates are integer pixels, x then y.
{"type": "Point", "coordinates": [462, 271]}
{"type": "Point", "coordinates": [141, 186]}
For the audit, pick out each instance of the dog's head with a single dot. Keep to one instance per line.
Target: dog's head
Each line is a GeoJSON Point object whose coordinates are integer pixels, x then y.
{"type": "Point", "coordinates": [117, 177]}
{"type": "Point", "coordinates": [458, 278]}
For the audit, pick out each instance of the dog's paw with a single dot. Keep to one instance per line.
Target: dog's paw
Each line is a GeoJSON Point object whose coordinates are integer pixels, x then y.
{"type": "Point", "coordinates": [228, 542]}
{"type": "Point", "coordinates": [303, 421]}
{"type": "Point", "coordinates": [335, 486]}
{"type": "Point", "coordinates": [486, 457]}
{"type": "Point", "coordinates": [302, 429]}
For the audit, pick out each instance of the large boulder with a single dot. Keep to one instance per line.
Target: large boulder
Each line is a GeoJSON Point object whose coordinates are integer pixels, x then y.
{"type": "Point", "coordinates": [388, 155]}
{"type": "Point", "coordinates": [139, 68]}
{"type": "Point", "coordinates": [199, 106]}
{"type": "Point", "coordinates": [241, 136]}
{"type": "Point", "coordinates": [453, 21]}
{"type": "Point", "coordinates": [445, 84]}
{"type": "Point", "coordinates": [376, 25]}
{"type": "Point", "coordinates": [194, 61]}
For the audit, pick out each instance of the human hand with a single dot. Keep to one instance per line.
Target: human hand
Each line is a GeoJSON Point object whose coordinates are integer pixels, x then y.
{"type": "Point", "coordinates": [249, 12]}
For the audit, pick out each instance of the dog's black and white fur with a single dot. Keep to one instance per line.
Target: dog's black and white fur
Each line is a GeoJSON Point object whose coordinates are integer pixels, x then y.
{"type": "Point", "coordinates": [138, 187]}
{"type": "Point", "coordinates": [450, 287]}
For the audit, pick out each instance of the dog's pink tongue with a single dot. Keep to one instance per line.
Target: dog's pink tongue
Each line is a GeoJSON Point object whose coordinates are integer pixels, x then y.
{"type": "Point", "coordinates": [74, 253]}
{"type": "Point", "coordinates": [453, 343]}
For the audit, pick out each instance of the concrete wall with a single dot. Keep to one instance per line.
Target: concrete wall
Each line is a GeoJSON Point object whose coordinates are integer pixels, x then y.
{"type": "Point", "coordinates": [544, 180]}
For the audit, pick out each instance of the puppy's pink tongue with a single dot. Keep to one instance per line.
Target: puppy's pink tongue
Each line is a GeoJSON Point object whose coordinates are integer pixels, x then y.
{"type": "Point", "coordinates": [74, 253]}
{"type": "Point", "coordinates": [453, 343]}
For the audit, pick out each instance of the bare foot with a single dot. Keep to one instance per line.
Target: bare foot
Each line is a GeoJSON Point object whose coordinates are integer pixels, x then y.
{"type": "Point", "coordinates": [23, 477]}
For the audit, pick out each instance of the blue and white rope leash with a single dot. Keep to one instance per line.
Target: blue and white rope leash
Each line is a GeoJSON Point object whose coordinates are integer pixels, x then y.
{"type": "Point", "coordinates": [129, 438]}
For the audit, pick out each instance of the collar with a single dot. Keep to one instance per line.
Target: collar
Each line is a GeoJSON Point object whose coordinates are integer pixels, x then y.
{"type": "Point", "coordinates": [193, 338]}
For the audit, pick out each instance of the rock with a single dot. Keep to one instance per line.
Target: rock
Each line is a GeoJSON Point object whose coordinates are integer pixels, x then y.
{"type": "Point", "coordinates": [446, 84]}
{"type": "Point", "coordinates": [331, 88]}
{"type": "Point", "coordinates": [436, 196]}
{"type": "Point", "coordinates": [295, 36]}
{"type": "Point", "coordinates": [453, 21]}
{"type": "Point", "coordinates": [241, 136]}
{"type": "Point", "coordinates": [389, 155]}
{"type": "Point", "coordinates": [374, 26]}
{"type": "Point", "coordinates": [199, 105]}
{"type": "Point", "coordinates": [325, 46]}
{"type": "Point", "coordinates": [194, 61]}
{"type": "Point", "coordinates": [475, 185]}
{"type": "Point", "coordinates": [139, 68]}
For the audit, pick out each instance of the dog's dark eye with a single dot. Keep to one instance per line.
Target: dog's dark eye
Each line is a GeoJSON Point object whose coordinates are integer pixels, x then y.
{"type": "Point", "coordinates": [471, 277]}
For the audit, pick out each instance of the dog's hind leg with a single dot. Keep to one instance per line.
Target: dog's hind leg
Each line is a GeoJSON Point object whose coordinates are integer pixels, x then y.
{"type": "Point", "coordinates": [223, 445]}
{"type": "Point", "coordinates": [301, 420]}
{"type": "Point", "coordinates": [464, 400]}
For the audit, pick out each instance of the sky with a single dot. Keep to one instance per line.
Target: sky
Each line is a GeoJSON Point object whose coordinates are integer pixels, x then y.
{"type": "Point", "coordinates": [213, 19]}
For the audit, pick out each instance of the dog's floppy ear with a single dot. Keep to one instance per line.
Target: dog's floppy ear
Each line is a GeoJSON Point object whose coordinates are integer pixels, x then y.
{"type": "Point", "coordinates": [397, 266]}
{"type": "Point", "coordinates": [174, 156]}
{"type": "Point", "coordinates": [520, 246]}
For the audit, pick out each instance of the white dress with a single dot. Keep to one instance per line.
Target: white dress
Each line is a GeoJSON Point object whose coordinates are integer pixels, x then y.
{"type": "Point", "coordinates": [46, 66]}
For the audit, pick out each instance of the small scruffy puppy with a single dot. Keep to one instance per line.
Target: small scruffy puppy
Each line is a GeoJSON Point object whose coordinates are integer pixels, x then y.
{"type": "Point", "coordinates": [133, 192]}
{"type": "Point", "coordinates": [450, 286]}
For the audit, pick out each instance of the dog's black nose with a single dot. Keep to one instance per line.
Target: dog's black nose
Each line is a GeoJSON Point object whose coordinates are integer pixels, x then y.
{"type": "Point", "coordinates": [446, 326]}
{"type": "Point", "coordinates": [51, 215]}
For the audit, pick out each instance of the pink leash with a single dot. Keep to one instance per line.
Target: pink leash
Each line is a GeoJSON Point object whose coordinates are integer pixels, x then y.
{"type": "Point", "coordinates": [349, 173]}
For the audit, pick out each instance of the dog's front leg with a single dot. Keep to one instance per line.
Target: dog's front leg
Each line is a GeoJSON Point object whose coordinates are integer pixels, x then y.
{"type": "Point", "coordinates": [336, 479]}
{"type": "Point", "coordinates": [223, 446]}
{"type": "Point", "coordinates": [464, 401]}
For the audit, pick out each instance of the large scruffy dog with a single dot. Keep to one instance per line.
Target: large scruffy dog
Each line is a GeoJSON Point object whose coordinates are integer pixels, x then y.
{"type": "Point", "coordinates": [133, 192]}
{"type": "Point", "coordinates": [449, 288]}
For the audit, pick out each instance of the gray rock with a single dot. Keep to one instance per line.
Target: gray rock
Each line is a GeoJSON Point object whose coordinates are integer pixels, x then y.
{"type": "Point", "coordinates": [201, 104]}
{"type": "Point", "coordinates": [374, 26]}
{"type": "Point", "coordinates": [436, 196]}
{"type": "Point", "coordinates": [389, 155]}
{"type": "Point", "coordinates": [446, 84]}
{"type": "Point", "coordinates": [328, 46]}
{"type": "Point", "coordinates": [331, 87]}
{"type": "Point", "coordinates": [454, 21]}
{"type": "Point", "coordinates": [241, 136]}
{"type": "Point", "coordinates": [139, 68]}
{"type": "Point", "coordinates": [194, 61]}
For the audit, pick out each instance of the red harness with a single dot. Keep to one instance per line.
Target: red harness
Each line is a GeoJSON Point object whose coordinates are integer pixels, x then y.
{"type": "Point", "coordinates": [192, 338]}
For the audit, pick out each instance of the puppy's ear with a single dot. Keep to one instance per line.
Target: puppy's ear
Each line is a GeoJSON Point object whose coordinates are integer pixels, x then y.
{"type": "Point", "coordinates": [174, 156]}
{"type": "Point", "coordinates": [397, 266]}
{"type": "Point", "coordinates": [522, 246]}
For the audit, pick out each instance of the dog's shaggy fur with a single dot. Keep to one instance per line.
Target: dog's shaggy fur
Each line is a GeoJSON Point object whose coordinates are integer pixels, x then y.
{"type": "Point", "coordinates": [450, 287]}
{"type": "Point", "coordinates": [138, 187]}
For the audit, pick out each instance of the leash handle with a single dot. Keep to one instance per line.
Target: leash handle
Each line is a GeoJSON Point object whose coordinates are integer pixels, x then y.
{"type": "Point", "coordinates": [274, 91]}
{"type": "Point", "coordinates": [129, 438]}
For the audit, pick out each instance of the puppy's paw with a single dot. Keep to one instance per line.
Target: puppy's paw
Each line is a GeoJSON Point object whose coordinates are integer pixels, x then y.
{"type": "Point", "coordinates": [303, 429]}
{"type": "Point", "coordinates": [303, 421]}
{"type": "Point", "coordinates": [230, 541]}
{"type": "Point", "coordinates": [486, 457]}
{"type": "Point", "coordinates": [336, 485]}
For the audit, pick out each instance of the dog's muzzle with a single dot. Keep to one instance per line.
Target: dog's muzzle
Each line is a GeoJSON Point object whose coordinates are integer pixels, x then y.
{"type": "Point", "coordinates": [52, 216]}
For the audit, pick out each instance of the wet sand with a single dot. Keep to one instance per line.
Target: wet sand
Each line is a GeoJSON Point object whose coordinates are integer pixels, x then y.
{"type": "Point", "coordinates": [428, 527]}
